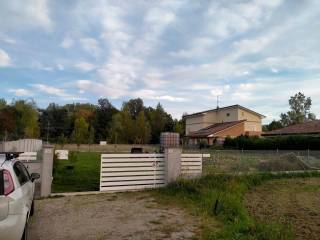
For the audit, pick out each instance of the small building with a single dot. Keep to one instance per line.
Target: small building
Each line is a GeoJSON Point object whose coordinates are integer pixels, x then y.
{"type": "Point", "coordinates": [306, 128]}
{"type": "Point", "coordinates": [216, 124]}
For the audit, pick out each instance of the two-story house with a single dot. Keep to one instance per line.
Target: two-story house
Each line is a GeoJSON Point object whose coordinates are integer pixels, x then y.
{"type": "Point", "coordinates": [217, 124]}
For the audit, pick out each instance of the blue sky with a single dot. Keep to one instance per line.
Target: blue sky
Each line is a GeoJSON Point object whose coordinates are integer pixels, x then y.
{"type": "Point", "coordinates": [180, 53]}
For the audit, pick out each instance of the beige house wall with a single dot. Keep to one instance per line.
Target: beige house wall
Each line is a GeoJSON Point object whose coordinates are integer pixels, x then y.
{"type": "Point", "coordinates": [252, 126]}
{"type": "Point", "coordinates": [227, 115]}
{"type": "Point", "coordinates": [197, 122]}
{"type": "Point", "coordinates": [253, 123]}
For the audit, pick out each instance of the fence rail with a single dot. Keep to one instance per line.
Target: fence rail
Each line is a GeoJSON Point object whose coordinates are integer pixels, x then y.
{"type": "Point", "coordinates": [191, 164]}
{"type": "Point", "coordinates": [28, 156]}
{"type": "Point", "coordinates": [231, 161]}
{"type": "Point", "coordinates": [121, 172]}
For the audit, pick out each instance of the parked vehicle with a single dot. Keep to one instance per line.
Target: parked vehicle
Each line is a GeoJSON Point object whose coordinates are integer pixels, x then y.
{"type": "Point", "coordinates": [16, 198]}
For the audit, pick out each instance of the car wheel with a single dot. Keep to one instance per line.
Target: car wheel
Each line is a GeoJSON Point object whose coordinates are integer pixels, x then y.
{"type": "Point", "coordinates": [32, 209]}
{"type": "Point", "coordinates": [25, 232]}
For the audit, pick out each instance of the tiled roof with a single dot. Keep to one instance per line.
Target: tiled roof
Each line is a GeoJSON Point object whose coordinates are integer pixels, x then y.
{"type": "Point", "coordinates": [312, 127]}
{"type": "Point", "coordinates": [214, 128]}
{"type": "Point", "coordinates": [222, 108]}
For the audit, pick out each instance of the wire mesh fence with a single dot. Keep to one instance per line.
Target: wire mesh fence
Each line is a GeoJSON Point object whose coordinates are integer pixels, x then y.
{"type": "Point", "coordinates": [235, 161]}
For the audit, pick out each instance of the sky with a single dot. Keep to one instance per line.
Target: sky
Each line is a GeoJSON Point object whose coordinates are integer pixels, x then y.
{"type": "Point", "coordinates": [182, 54]}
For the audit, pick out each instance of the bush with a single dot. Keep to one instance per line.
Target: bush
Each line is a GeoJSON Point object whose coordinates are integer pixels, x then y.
{"type": "Point", "coordinates": [203, 144]}
{"type": "Point", "coordinates": [271, 143]}
{"type": "Point", "coordinates": [222, 197]}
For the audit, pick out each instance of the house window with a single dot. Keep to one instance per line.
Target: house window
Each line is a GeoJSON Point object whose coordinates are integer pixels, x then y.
{"type": "Point", "coordinates": [228, 114]}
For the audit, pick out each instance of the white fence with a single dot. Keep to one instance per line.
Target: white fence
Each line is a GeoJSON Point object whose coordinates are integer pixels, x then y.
{"type": "Point", "coordinates": [191, 164]}
{"type": "Point", "coordinates": [28, 156]}
{"type": "Point", "coordinates": [22, 145]}
{"type": "Point", "coordinates": [120, 172]}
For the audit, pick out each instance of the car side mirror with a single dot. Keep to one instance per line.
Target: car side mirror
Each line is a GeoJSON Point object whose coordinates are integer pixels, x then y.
{"type": "Point", "coordinates": [34, 176]}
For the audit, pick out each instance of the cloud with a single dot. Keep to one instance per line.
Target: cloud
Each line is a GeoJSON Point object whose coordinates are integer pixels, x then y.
{"type": "Point", "coordinates": [6, 39]}
{"type": "Point", "coordinates": [154, 79]}
{"type": "Point", "coordinates": [239, 17]}
{"type": "Point", "coordinates": [171, 98]}
{"type": "Point", "coordinates": [84, 66]}
{"type": "Point", "coordinates": [91, 46]}
{"type": "Point", "coordinates": [50, 90]}
{"type": "Point", "coordinates": [54, 91]}
{"type": "Point", "coordinates": [168, 51]}
{"type": "Point", "coordinates": [156, 95]}
{"type": "Point", "coordinates": [67, 43]}
{"type": "Point", "coordinates": [84, 85]}
{"type": "Point", "coordinates": [5, 60]}
{"type": "Point", "coordinates": [198, 48]}
{"type": "Point", "coordinates": [21, 92]}
{"type": "Point", "coordinates": [220, 90]}
{"type": "Point", "coordinates": [18, 14]}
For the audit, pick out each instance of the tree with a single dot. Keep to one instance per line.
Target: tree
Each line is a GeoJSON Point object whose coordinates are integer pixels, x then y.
{"type": "Point", "coordinates": [116, 128]}
{"type": "Point", "coordinates": [103, 118]}
{"type": "Point", "coordinates": [122, 127]}
{"type": "Point", "coordinates": [81, 131]}
{"type": "Point", "coordinates": [61, 140]}
{"type": "Point", "coordinates": [56, 121]}
{"type": "Point", "coordinates": [299, 110]}
{"type": "Point", "coordinates": [272, 126]}
{"type": "Point", "coordinates": [134, 106]}
{"type": "Point", "coordinates": [8, 122]}
{"type": "Point", "coordinates": [27, 123]}
{"type": "Point", "coordinates": [3, 103]}
{"type": "Point", "coordinates": [158, 120]}
{"type": "Point", "coordinates": [142, 129]}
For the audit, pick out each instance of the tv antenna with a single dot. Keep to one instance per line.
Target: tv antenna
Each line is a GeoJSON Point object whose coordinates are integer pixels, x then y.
{"type": "Point", "coordinates": [218, 101]}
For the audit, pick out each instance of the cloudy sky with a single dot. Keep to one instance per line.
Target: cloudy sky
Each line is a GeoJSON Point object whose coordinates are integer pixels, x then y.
{"type": "Point", "coordinates": [180, 53]}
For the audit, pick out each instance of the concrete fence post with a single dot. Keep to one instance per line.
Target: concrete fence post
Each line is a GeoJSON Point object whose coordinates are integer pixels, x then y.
{"type": "Point", "coordinates": [46, 170]}
{"type": "Point", "coordinates": [172, 164]}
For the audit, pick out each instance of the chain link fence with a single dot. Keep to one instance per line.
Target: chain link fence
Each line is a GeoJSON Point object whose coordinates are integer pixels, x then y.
{"type": "Point", "coordinates": [245, 161]}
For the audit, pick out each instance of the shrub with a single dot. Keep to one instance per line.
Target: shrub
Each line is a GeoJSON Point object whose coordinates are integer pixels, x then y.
{"type": "Point", "coordinates": [300, 142]}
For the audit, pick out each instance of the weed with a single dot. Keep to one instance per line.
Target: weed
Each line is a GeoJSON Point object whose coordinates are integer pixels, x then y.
{"type": "Point", "coordinates": [221, 197]}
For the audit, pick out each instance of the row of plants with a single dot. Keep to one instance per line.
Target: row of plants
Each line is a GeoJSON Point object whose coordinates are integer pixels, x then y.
{"type": "Point", "coordinates": [272, 143]}
{"type": "Point", "coordinates": [222, 197]}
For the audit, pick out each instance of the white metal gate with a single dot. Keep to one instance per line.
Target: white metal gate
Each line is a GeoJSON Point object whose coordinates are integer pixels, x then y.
{"type": "Point", "coordinates": [191, 164]}
{"type": "Point", "coordinates": [121, 172]}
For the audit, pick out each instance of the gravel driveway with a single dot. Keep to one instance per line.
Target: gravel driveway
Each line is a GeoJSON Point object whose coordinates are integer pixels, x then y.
{"type": "Point", "coordinates": [134, 216]}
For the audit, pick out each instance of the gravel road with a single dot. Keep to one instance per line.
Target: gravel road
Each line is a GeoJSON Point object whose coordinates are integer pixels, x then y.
{"type": "Point", "coordinates": [134, 216]}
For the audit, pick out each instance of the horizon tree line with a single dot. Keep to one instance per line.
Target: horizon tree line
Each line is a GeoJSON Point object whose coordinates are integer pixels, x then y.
{"type": "Point", "coordinates": [85, 123]}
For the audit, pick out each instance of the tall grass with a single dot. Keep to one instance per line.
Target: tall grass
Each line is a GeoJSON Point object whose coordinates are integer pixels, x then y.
{"type": "Point", "coordinates": [221, 197]}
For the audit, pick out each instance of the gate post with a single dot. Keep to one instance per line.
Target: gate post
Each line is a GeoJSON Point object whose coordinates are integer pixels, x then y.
{"type": "Point", "coordinates": [172, 158]}
{"type": "Point", "coordinates": [46, 170]}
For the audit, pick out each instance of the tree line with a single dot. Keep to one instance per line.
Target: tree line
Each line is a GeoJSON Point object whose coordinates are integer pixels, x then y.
{"type": "Point", "coordinates": [85, 123]}
{"type": "Point", "coordinates": [299, 112]}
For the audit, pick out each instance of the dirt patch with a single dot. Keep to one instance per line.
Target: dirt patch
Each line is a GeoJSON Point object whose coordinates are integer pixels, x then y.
{"type": "Point", "coordinates": [293, 201]}
{"type": "Point", "coordinates": [109, 216]}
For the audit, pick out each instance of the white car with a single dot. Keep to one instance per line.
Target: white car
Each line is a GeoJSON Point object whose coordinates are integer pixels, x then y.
{"type": "Point", "coordinates": [16, 198]}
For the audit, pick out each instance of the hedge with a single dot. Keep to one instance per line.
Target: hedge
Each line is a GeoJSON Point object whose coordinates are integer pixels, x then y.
{"type": "Point", "coordinates": [300, 142]}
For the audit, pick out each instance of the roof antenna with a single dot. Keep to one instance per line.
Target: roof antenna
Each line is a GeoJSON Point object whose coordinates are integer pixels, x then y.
{"type": "Point", "coordinates": [218, 101]}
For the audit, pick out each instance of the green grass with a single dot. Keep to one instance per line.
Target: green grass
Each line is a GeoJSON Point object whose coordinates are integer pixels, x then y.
{"type": "Point", "coordinates": [80, 173]}
{"type": "Point", "coordinates": [221, 197]}
{"type": "Point", "coordinates": [218, 200]}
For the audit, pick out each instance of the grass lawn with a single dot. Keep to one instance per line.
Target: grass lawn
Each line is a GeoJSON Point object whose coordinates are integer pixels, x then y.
{"type": "Point", "coordinates": [220, 201]}
{"type": "Point", "coordinates": [80, 173]}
